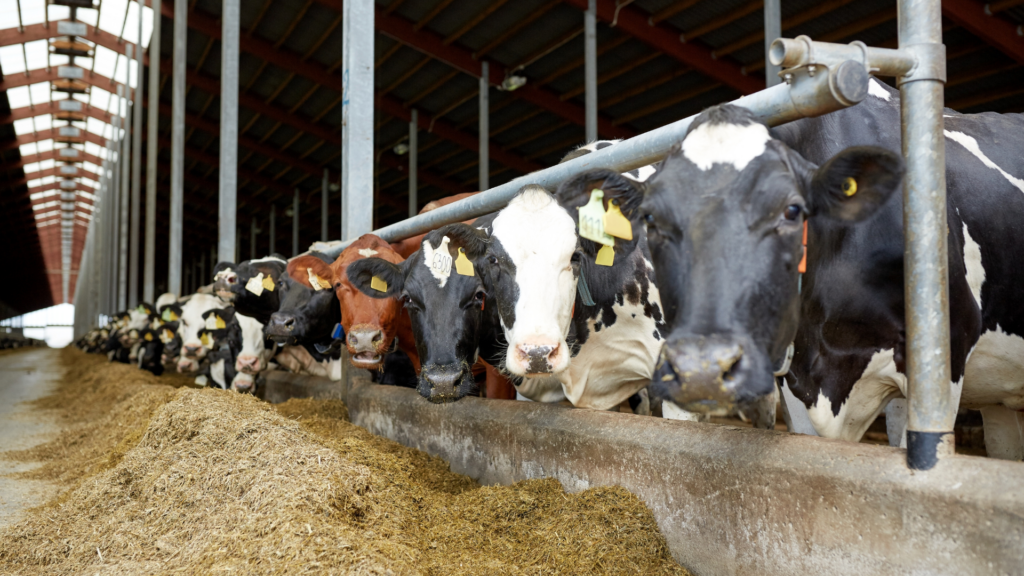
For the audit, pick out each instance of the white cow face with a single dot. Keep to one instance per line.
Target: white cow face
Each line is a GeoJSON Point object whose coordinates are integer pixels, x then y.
{"type": "Point", "coordinates": [253, 357]}
{"type": "Point", "coordinates": [192, 349]}
{"type": "Point", "coordinates": [531, 271]}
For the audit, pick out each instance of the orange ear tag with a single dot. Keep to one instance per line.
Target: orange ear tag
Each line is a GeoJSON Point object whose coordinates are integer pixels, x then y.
{"type": "Point", "coordinates": [482, 302]}
{"type": "Point", "coordinates": [803, 261]}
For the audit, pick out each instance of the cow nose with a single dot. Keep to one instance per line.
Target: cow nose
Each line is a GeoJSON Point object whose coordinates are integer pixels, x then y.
{"type": "Point", "coordinates": [540, 358]}
{"type": "Point", "coordinates": [280, 323]}
{"type": "Point", "coordinates": [444, 384]}
{"type": "Point", "coordinates": [248, 364]}
{"type": "Point", "coordinates": [364, 339]}
{"type": "Point", "coordinates": [708, 370]}
{"type": "Point", "coordinates": [191, 349]}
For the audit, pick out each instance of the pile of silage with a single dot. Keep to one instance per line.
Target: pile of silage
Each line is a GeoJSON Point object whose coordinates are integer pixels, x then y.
{"type": "Point", "coordinates": [210, 481]}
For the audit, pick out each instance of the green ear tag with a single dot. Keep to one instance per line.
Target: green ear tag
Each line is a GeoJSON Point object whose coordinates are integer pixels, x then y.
{"type": "Point", "coordinates": [462, 264]}
{"type": "Point", "coordinates": [592, 220]}
{"type": "Point", "coordinates": [378, 284]}
{"type": "Point", "coordinates": [615, 224]}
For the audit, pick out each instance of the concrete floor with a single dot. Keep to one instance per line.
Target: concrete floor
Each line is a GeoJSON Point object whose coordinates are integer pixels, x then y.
{"type": "Point", "coordinates": [24, 376]}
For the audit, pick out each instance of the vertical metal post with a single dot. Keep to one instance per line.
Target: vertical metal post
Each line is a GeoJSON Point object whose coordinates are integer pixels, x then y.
{"type": "Point", "coordinates": [772, 30]}
{"type": "Point", "coordinates": [590, 69]}
{"type": "Point", "coordinates": [177, 146]}
{"type": "Point", "coordinates": [149, 253]}
{"type": "Point", "coordinates": [357, 157]}
{"type": "Point", "coordinates": [252, 239]}
{"type": "Point", "coordinates": [926, 282]}
{"type": "Point", "coordinates": [484, 175]}
{"type": "Point", "coordinates": [125, 183]}
{"type": "Point", "coordinates": [295, 223]}
{"type": "Point", "coordinates": [273, 228]}
{"type": "Point", "coordinates": [324, 200]}
{"type": "Point", "coordinates": [134, 247]}
{"type": "Point", "coordinates": [414, 164]}
{"type": "Point", "coordinates": [228, 126]}
{"type": "Point", "coordinates": [203, 278]}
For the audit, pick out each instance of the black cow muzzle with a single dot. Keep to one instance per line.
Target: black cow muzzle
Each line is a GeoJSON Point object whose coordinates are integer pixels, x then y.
{"type": "Point", "coordinates": [707, 373]}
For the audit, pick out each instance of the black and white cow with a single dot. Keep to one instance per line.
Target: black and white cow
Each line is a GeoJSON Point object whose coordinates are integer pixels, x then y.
{"type": "Point", "coordinates": [447, 305]}
{"type": "Point", "coordinates": [252, 287]}
{"type": "Point", "coordinates": [189, 325]}
{"type": "Point", "coordinates": [150, 352]}
{"type": "Point", "coordinates": [724, 221]}
{"type": "Point", "coordinates": [237, 353]}
{"type": "Point", "coordinates": [850, 348]}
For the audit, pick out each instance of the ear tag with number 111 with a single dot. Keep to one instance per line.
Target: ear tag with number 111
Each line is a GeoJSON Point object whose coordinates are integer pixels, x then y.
{"type": "Point", "coordinates": [592, 220]}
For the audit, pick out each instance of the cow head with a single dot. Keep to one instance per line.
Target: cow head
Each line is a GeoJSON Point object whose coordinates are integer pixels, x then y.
{"type": "Point", "coordinates": [224, 279]}
{"type": "Point", "coordinates": [252, 357]}
{"type": "Point", "coordinates": [445, 302]}
{"type": "Point", "coordinates": [191, 322]}
{"type": "Point", "coordinates": [305, 315]}
{"type": "Point", "coordinates": [531, 268]}
{"type": "Point", "coordinates": [151, 351]}
{"type": "Point", "coordinates": [255, 287]}
{"type": "Point", "coordinates": [370, 324]}
{"type": "Point", "coordinates": [725, 218]}
{"type": "Point", "coordinates": [168, 334]}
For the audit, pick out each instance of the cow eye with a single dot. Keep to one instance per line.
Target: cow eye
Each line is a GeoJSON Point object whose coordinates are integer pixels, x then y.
{"type": "Point", "coordinates": [479, 296]}
{"type": "Point", "coordinates": [649, 219]}
{"type": "Point", "coordinates": [792, 212]}
{"type": "Point", "coordinates": [492, 260]}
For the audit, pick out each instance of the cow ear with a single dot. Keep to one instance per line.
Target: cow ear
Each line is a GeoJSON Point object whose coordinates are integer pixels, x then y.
{"type": "Point", "coordinates": [227, 314]}
{"type": "Point", "coordinates": [854, 183]}
{"type": "Point", "coordinates": [300, 267]}
{"type": "Point", "coordinates": [361, 274]}
{"type": "Point", "coordinates": [575, 192]}
{"type": "Point", "coordinates": [463, 235]}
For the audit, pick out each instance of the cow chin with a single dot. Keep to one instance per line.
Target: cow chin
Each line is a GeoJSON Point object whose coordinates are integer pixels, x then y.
{"type": "Point", "coordinates": [711, 375]}
{"type": "Point", "coordinates": [445, 383]}
{"type": "Point", "coordinates": [186, 365]}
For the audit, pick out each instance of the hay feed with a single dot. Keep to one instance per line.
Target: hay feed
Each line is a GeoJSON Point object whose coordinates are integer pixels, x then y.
{"type": "Point", "coordinates": [210, 481]}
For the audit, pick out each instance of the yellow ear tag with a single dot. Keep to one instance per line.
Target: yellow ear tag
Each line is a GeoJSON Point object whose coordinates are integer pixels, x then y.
{"type": "Point", "coordinates": [317, 282]}
{"type": "Point", "coordinates": [592, 220]}
{"type": "Point", "coordinates": [849, 187]}
{"type": "Point", "coordinates": [206, 340]}
{"type": "Point", "coordinates": [148, 337]}
{"type": "Point", "coordinates": [255, 284]}
{"type": "Point", "coordinates": [378, 284]}
{"type": "Point", "coordinates": [268, 283]}
{"type": "Point", "coordinates": [615, 224]}
{"type": "Point", "coordinates": [462, 264]}
{"type": "Point", "coordinates": [605, 256]}
{"type": "Point", "coordinates": [220, 323]}
{"type": "Point", "coordinates": [167, 336]}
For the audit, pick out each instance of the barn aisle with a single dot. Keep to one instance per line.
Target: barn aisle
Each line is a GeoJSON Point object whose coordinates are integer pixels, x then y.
{"type": "Point", "coordinates": [25, 375]}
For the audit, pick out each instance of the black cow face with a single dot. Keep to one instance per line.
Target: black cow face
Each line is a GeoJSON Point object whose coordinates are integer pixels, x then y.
{"type": "Point", "coordinates": [724, 220]}
{"type": "Point", "coordinates": [255, 287]}
{"type": "Point", "coordinates": [447, 306]}
{"type": "Point", "coordinates": [305, 315]}
{"type": "Point", "coordinates": [150, 351]}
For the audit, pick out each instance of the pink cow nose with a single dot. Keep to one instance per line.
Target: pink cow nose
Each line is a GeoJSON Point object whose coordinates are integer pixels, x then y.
{"type": "Point", "coordinates": [192, 350]}
{"type": "Point", "coordinates": [538, 357]}
{"type": "Point", "coordinates": [248, 364]}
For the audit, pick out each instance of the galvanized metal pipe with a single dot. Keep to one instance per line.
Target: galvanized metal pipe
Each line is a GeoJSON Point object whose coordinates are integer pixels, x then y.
{"type": "Point", "coordinates": [177, 147]}
{"type": "Point", "coordinates": [484, 174]}
{"type": "Point", "coordinates": [228, 171]}
{"type": "Point", "coordinates": [414, 164]}
{"type": "Point", "coordinates": [149, 253]}
{"type": "Point", "coordinates": [125, 183]}
{"type": "Point", "coordinates": [134, 247]}
{"type": "Point", "coordinates": [926, 287]}
{"type": "Point", "coordinates": [590, 69]}
{"type": "Point", "coordinates": [324, 213]}
{"type": "Point", "coordinates": [791, 52]}
{"type": "Point", "coordinates": [776, 105]}
{"type": "Point", "coordinates": [295, 223]}
{"type": "Point", "coordinates": [357, 154]}
{"type": "Point", "coordinates": [772, 30]}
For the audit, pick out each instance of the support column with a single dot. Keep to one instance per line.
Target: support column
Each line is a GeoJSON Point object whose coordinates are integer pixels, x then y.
{"type": "Point", "coordinates": [149, 253]}
{"type": "Point", "coordinates": [926, 274]}
{"type": "Point", "coordinates": [414, 163]}
{"type": "Point", "coordinates": [177, 146]}
{"type": "Point", "coordinates": [484, 176]}
{"type": "Point", "coordinates": [295, 224]}
{"type": "Point", "coordinates": [228, 126]}
{"type": "Point", "coordinates": [325, 189]}
{"type": "Point", "coordinates": [125, 185]}
{"type": "Point", "coordinates": [772, 30]}
{"type": "Point", "coordinates": [134, 246]}
{"type": "Point", "coordinates": [357, 157]}
{"type": "Point", "coordinates": [590, 69]}
{"type": "Point", "coordinates": [273, 228]}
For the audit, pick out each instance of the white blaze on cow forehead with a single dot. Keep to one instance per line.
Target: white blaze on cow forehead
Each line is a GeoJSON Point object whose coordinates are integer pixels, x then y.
{"type": "Point", "coordinates": [367, 252]}
{"type": "Point", "coordinates": [252, 335]}
{"type": "Point", "coordinates": [875, 89]}
{"type": "Point", "coordinates": [735, 144]}
{"type": "Point", "coordinates": [972, 146]}
{"type": "Point", "coordinates": [972, 262]}
{"type": "Point", "coordinates": [438, 260]}
{"type": "Point", "coordinates": [268, 259]}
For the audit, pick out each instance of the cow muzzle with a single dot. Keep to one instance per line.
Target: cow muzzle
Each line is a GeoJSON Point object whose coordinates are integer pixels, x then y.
{"type": "Point", "coordinates": [244, 383]}
{"type": "Point", "coordinates": [282, 328]}
{"type": "Point", "coordinates": [247, 364]}
{"type": "Point", "coordinates": [537, 357]}
{"type": "Point", "coordinates": [366, 346]}
{"type": "Point", "coordinates": [707, 374]}
{"type": "Point", "coordinates": [441, 384]}
{"type": "Point", "coordinates": [186, 365]}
